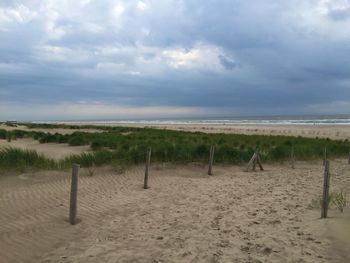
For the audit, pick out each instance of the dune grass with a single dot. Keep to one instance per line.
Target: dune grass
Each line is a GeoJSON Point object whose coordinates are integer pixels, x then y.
{"type": "Point", "coordinates": [18, 159]}
{"type": "Point", "coordinates": [125, 145]}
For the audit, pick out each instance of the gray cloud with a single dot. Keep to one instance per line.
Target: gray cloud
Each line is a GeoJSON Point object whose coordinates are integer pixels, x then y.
{"type": "Point", "coordinates": [339, 14]}
{"type": "Point", "coordinates": [229, 55]}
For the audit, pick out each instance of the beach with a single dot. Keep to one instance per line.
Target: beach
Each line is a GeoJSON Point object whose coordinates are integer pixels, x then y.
{"type": "Point", "coordinates": [335, 132]}
{"type": "Point", "coordinates": [185, 215]}
{"type": "Point", "coordinates": [174, 131]}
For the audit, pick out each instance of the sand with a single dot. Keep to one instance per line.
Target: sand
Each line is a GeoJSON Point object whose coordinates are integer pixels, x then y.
{"type": "Point", "coordinates": [186, 216]}
{"type": "Point", "coordinates": [337, 132]}
{"type": "Point", "coordinates": [52, 131]}
{"type": "Point", "coordinates": [50, 150]}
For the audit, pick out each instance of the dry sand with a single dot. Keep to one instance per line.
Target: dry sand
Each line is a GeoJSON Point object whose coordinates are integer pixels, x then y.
{"type": "Point", "coordinates": [51, 150]}
{"type": "Point", "coordinates": [186, 216]}
{"type": "Point", "coordinates": [337, 132]}
{"type": "Point", "coordinates": [52, 131]}
{"type": "Point", "coordinates": [322, 131]}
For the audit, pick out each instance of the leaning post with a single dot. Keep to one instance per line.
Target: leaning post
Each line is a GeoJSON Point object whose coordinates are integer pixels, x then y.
{"type": "Point", "coordinates": [251, 161]}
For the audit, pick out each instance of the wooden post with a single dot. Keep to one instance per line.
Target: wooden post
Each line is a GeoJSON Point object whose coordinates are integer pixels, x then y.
{"type": "Point", "coordinates": [349, 158]}
{"type": "Point", "coordinates": [148, 161]}
{"type": "Point", "coordinates": [211, 159]}
{"type": "Point", "coordinates": [251, 161]}
{"type": "Point", "coordinates": [325, 196]}
{"type": "Point", "coordinates": [292, 157]}
{"type": "Point", "coordinates": [324, 156]}
{"type": "Point", "coordinates": [259, 162]}
{"type": "Point", "coordinates": [74, 194]}
{"type": "Point", "coordinates": [255, 159]}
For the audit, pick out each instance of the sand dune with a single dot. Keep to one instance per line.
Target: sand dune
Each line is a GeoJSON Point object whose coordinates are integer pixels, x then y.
{"type": "Point", "coordinates": [186, 216]}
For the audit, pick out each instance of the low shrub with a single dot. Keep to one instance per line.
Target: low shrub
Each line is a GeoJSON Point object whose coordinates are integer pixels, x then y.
{"type": "Point", "coordinates": [77, 141]}
{"type": "Point", "coordinates": [3, 134]}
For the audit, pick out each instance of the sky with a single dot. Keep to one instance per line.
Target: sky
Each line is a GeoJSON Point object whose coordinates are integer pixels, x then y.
{"type": "Point", "coordinates": [114, 59]}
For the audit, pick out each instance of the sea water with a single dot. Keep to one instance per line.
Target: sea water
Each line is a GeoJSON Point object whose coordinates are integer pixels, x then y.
{"type": "Point", "coordinates": [265, 120]}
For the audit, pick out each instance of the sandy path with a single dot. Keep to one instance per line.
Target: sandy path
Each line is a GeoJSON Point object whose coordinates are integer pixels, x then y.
{"type": "Point", "coordinates": [51, 150]}
{"type": "Point", "coordinates": [185, 216]}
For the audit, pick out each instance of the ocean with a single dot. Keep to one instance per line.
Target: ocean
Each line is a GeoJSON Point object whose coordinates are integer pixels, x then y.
{"type": "Point", "coordinates": [263, 120]}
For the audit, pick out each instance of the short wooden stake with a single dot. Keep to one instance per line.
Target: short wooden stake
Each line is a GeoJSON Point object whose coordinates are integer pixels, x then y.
{"type": "Point", "coordinates": [255, 160]}
{"type": "Point", "coordinates": [74, 194]}
{"type": "Point", "coordinates": [325, 196]}
{"type": "Point", "coordinates": [292, 157]}
{"type": "Point", "coordinates": [251, 161]}
{"type": "Point", "coordinates": [324, 156]}
{"type": "Point", "coordinates": [211, 159]}
{"type": "Point", "coordinates": [259, 162]}
{"type": "Point", "coordinates": [148, 161]}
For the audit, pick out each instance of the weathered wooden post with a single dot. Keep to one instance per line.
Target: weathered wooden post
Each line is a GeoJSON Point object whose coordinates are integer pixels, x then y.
{"type": "Point", "coordinates": [211, 159]}
{"type": "Point", "coordinates": [255, 160]}
{"type": "Point", "coordinates": [74, 194]}
{"type": "Point", "coordinates": [259, 162]}
{"type": "Point", "coordinates": [325, 196]}
{"type": "Point", "coordinates": [251, 161]}
{"type": "Point", "coordinates": [324, 156]}
{"type": "Point", "coordinates": [148, 161]}
{"type": "Point", "coordinates": [292, 157]}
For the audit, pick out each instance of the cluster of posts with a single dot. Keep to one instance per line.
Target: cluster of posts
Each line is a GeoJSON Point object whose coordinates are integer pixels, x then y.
{"type": "Point", "coordinates": [255, 160]}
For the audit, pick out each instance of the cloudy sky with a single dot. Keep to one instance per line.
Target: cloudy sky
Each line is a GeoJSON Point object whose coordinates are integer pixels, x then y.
{"type": "Point", "coordinates": [111, 59]}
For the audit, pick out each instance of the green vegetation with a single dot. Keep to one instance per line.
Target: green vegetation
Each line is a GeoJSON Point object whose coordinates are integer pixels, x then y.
{"type": "Point", "coordinates": [123, 145]}
{"type": "Point", "coordinates": [337, 199]}
{"type": "Point", "coordinates": [315, 203]}
{"type": "Point", "coordinates": [11, 158]}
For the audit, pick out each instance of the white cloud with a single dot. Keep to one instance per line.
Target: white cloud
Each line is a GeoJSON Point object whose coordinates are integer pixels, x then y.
{"type": "Point", "coordinates": [61, 54]}
{"type": "Point", "coordinates": [153, 60]}
{"type": "Point", "coordinates": [141, 5]}
{"type": "Point", "coordinates": [110, 67]}
{"type": "Point", "coordinates": [201, 57]}
{"type": "Point", "coordinates": [20, 14]}
{"type": "Point", "coordinates": [118, 9]}
{"type": "Point", "coordinates": [54, 32]}
{"type": "Point", "coordinates": [84, 2]}
{"type": "Point", "coordinates": [318, 18]}
{"type": "Point", "coordinates": [92, 27]}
